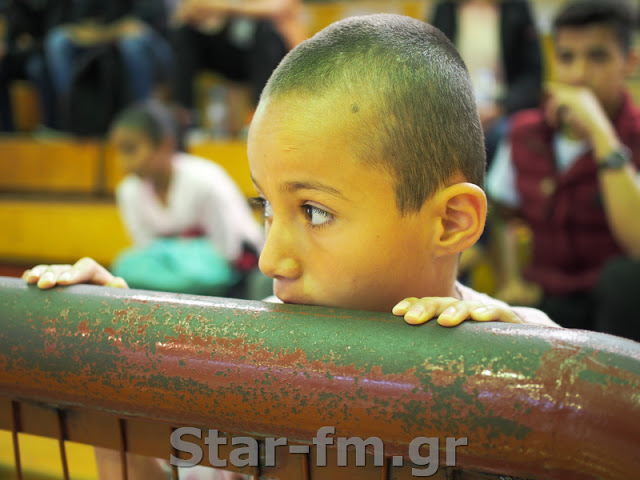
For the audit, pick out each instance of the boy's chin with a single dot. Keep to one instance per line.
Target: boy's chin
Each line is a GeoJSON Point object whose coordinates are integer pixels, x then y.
{"type": "Point", "coordinates": [346, 305]}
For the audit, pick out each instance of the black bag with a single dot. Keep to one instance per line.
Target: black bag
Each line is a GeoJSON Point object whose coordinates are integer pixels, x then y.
{"type": "Point", "coordinates": [98, 92]}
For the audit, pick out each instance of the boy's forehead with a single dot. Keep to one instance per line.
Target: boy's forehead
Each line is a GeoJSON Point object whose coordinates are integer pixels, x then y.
{"type": "Point", "coordinates": [296, 136]}
{"type": "Point", "coordinates": [587, 36]}
{"type": "Point", "coordinates": [305, 122]}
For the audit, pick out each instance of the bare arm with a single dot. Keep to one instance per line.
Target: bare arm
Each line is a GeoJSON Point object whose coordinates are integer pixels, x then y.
{"type": "Point", "coordinates": [583, 114]}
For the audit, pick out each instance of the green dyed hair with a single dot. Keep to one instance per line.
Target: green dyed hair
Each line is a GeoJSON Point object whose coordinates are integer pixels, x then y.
{"type": "Point", "coordinates": [408, 91]}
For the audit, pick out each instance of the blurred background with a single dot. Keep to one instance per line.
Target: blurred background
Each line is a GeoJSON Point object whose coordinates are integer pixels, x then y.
{"type": "Point", "coordinates": [58, 172]}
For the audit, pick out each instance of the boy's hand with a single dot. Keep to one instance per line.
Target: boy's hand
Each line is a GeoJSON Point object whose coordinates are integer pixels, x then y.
{"type": "Point", "coordinates": [85, 270]}
{"type": "Point", "coordinates": [451, 311]}
{"type": "Point", "coordinates": [579, 109]}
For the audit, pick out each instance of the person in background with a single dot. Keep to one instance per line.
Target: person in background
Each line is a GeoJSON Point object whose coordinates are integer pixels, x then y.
{"type": "Point", "coordinates": [22, 57]}
{"type": "Point", "coordinates": [499, 42]}
{"type": "Point", "coordinates": [242, 40]}
{"type": "Point", "coordinates": [91, 25]}
{"type": "Point", "coordinates": [569, 169]}
{"type": "Point", "coordinates": [192, 229]}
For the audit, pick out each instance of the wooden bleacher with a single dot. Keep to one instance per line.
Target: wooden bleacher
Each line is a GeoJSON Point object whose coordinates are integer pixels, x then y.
{"type": "Point", "coordinates": [56, 196]}
{"type": "Point", "coordinates": [56, 200]}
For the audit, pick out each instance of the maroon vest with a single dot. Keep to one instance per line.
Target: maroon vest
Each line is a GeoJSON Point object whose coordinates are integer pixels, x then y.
{"type": "Point", "coordinates": [565, 211]}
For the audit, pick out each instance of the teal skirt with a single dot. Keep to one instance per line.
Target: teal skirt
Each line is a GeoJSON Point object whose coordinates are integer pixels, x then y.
{"type": "Point", "coordinates": [181, 265]}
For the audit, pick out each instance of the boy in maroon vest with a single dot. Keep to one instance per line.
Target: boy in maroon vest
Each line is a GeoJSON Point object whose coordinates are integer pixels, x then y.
{"type": "Point", "coordinates": [570, 170]}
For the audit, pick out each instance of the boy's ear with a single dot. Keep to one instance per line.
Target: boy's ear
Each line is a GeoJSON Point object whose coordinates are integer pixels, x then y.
{"type": "Point", "coordinates": [461, 210]}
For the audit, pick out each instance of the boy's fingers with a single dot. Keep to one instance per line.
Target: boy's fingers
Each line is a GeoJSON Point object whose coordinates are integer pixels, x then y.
{"type": "Point", "coordinates": [403, 306]}
{"type": "Point", "coordinates": [33, 275]}
{"type": "Point", "coordinates": [118, 282]}
{"type": "Point", "coordinates": [47, 280]}
{"type": "Point", "coordinates": [87, 270]}
{"type": "Point", "coordinates": [508, 316]}
{"type": "Point", "coordinates": [494, 313]}
{"type": "Point", "coordinates": [456, 313]}
{"type": "Point", "coordinates": [420, 313]}
{"type": "Point", "coordinates": [427, 308]}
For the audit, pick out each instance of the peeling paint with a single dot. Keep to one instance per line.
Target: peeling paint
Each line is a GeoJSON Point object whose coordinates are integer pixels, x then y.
{"type": "Point", "coordinates": [529, 400]}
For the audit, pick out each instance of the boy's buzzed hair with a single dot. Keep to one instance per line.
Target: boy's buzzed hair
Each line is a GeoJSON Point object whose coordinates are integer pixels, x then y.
{"type": "Point", "coordinates": [149, 117]}
{"type": "Point", "coordinates": [407, 91]}
{"type": "Point", "coordinates": [619, 15]}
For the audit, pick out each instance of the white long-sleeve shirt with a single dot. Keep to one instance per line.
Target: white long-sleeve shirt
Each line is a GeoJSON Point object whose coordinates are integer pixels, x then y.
{"type": "Point", "coordinates": [202, 197]}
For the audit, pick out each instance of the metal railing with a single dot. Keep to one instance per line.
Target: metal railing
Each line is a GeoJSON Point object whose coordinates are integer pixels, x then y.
{"type": "Point", "coordinates": [122, 369]}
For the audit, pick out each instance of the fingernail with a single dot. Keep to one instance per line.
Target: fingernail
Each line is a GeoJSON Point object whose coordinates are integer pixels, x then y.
{"type": "Point", "coordinates": [403, 304]}
{"type": "Point", "coordinates": [416, 311]}
{"type": "Point", "coordinates": [46, 279]}
{"type": "Point", "coordinates": [65, 277]}
{"type": "Point", "coordinates": [449, 311]}
{"type": "Point", "coordinates": [482, 309]}
{"type": "Point", "coordinates": [118, 282]}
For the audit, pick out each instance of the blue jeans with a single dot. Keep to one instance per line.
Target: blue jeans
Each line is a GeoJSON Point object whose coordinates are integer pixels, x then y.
{"type": "Point", "coordinates": [144, 57]}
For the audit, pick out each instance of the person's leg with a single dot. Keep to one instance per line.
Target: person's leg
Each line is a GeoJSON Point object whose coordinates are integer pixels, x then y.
{"type": "Point", "coordinates": [187, 46]}
{"type": "Point", "coordinates": [618, 299]}
{"type": "Point", "coordinates": [60, 57]}
{"type": "Point", "coordinates": [163, 57]}
{"type": "Point", "coordinates": [38, 73]}
{"type": "Point", "coordinates": [137, 60]}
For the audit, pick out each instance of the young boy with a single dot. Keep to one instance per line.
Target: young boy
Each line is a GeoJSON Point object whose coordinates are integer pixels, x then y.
{"type": "Point", "coordinates": [367, 153]}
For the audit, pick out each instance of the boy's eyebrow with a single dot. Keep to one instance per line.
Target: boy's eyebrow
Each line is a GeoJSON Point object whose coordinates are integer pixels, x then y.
{"type": "Point", "coordinates": [293, 187]}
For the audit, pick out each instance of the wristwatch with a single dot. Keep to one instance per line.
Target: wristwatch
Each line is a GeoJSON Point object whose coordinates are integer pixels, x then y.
{"type": "Point", "coordinates": [616, 159]}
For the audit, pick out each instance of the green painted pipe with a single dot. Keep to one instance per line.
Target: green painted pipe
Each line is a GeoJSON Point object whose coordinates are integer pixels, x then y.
{"type": "Point", "coordinates": [531, 401]}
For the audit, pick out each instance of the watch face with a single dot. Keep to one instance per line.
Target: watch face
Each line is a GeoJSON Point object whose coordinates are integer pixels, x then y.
{"type": "Point", "coordinates": [615, 160]}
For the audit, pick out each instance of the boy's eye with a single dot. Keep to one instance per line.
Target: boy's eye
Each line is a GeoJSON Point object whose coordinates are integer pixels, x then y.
{"type": "Point", "coordinates": [565, 57]}
{"type": "Point", "coordinates": [316, 216]}
{"type": "Point", "coordinates": [128, 148]}
{"type": "Point", "coordinates": [263, 205]}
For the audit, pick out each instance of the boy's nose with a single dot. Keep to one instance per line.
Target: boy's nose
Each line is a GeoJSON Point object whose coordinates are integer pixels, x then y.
{"type": "Point", "coordinates": [578, 70]}
{"type": "Point", "coordinates": [278, 257]}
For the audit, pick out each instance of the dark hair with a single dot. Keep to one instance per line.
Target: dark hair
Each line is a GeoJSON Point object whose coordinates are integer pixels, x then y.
{"type": "Point", "coordinates": [619, 15]}
{"type": "Point", "coordinates": [151, 118]}
{"type": "Point", "coordinates": [408, 91]}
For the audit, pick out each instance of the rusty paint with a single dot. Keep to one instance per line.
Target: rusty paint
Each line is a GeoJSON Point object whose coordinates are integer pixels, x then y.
{"type": "Point", "coordinates": [533, 402]}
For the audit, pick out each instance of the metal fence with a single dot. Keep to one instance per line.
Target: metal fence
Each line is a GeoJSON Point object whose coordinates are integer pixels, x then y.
{"type": "Point", "coordinates": [124, 369]}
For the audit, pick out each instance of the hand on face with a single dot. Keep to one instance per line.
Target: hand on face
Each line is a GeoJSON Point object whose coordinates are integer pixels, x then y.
{"type": "Point", "coordinates": [451, 311]}
{"type": "Point", "coordinates": [85, 270]}
{"type": "Point", "coordinates": [575, 107]}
